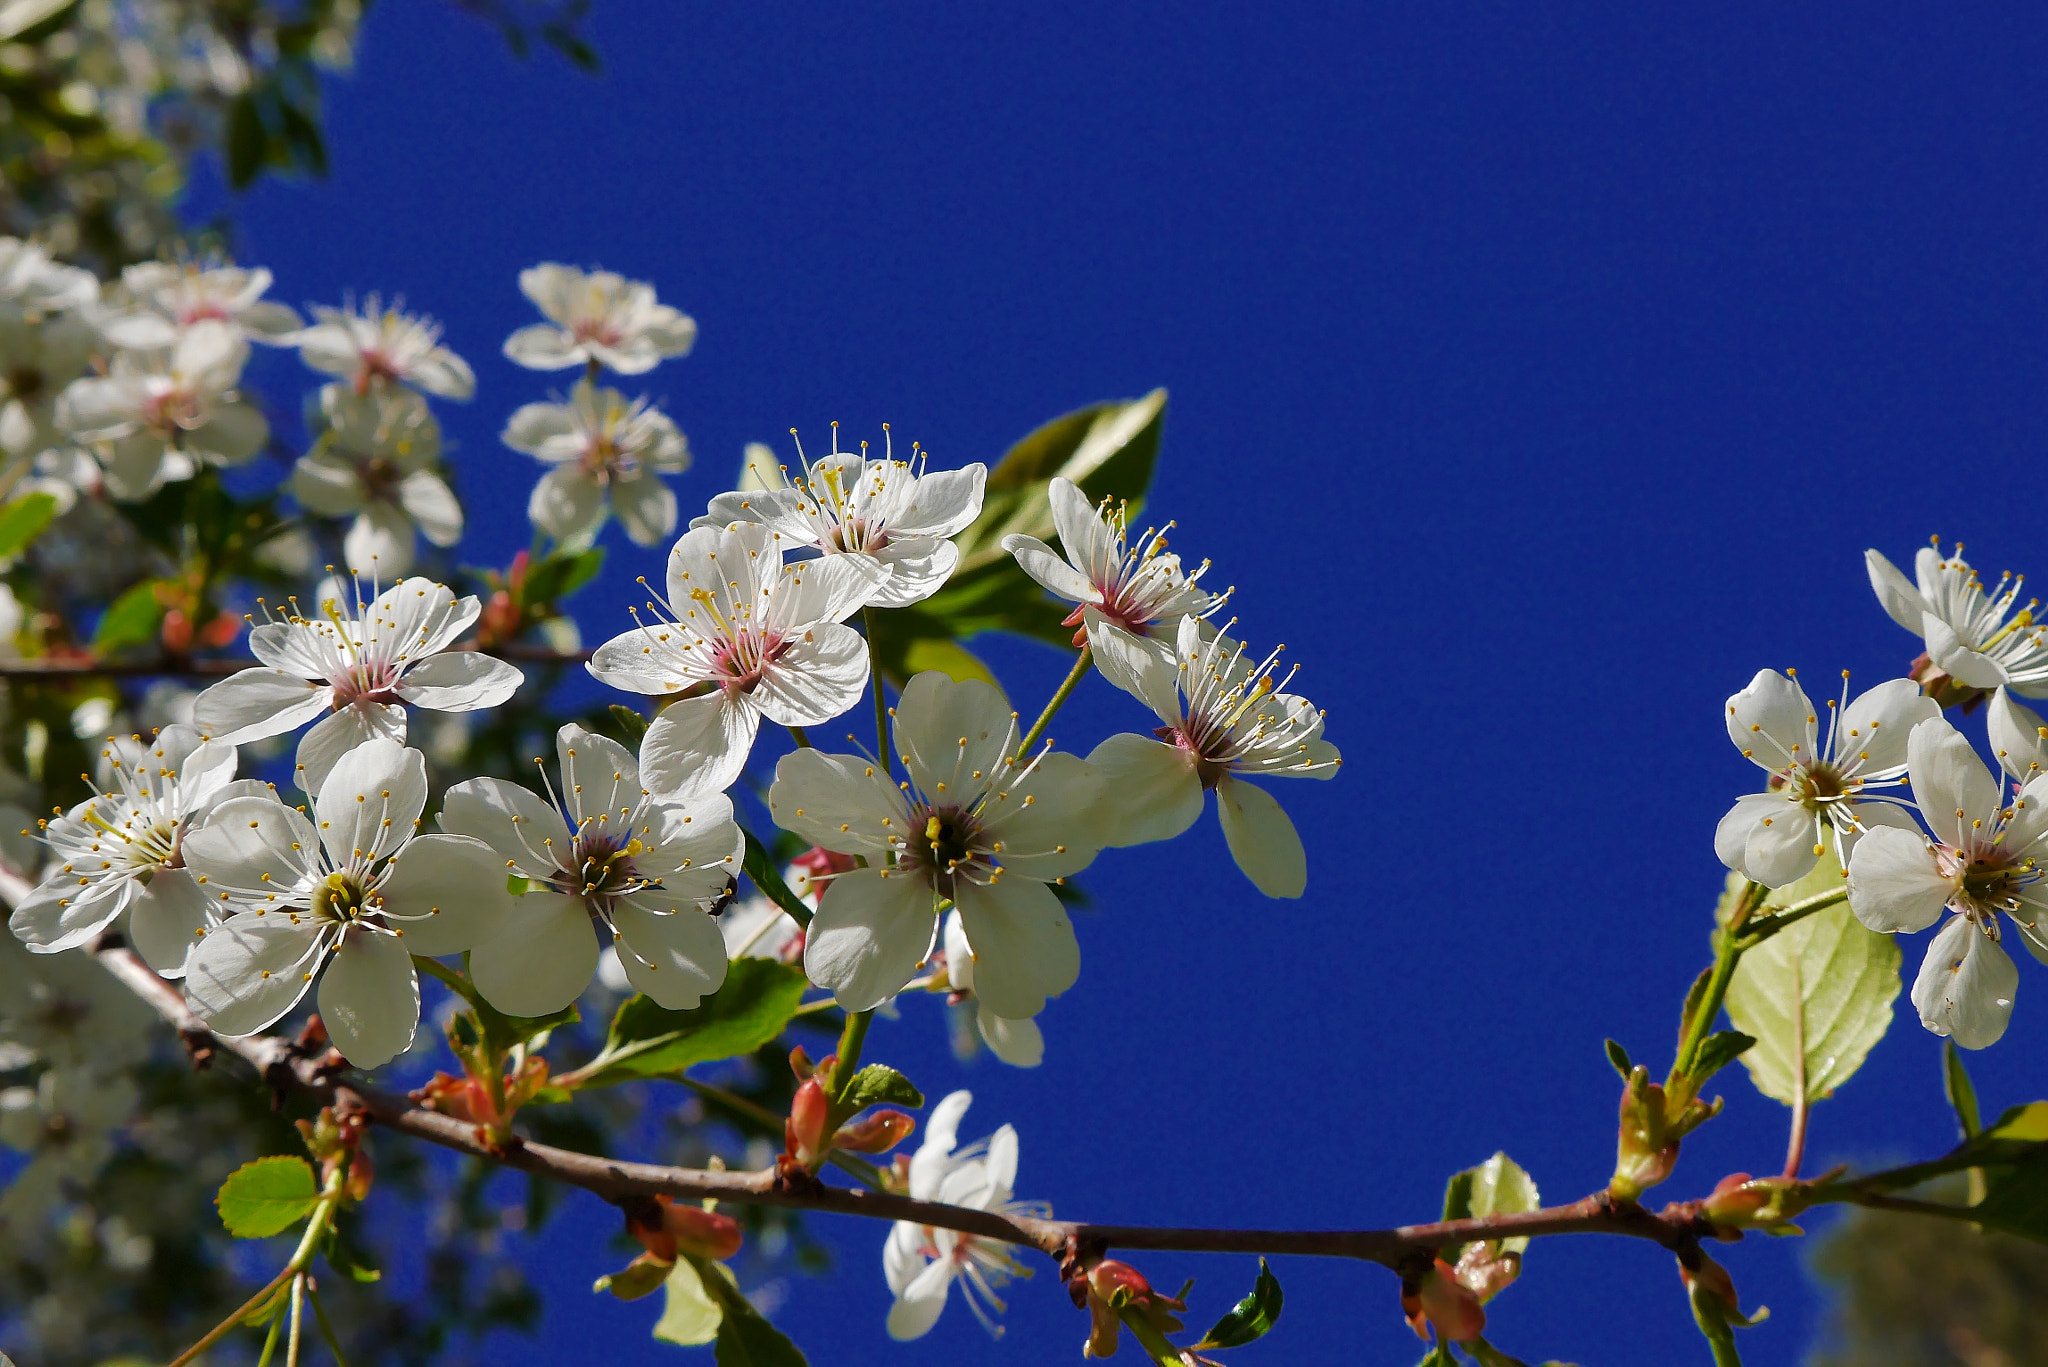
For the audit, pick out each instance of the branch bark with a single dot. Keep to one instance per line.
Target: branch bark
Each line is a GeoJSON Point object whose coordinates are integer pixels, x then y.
{"type": "Point", "coordinates": [289, 1070]}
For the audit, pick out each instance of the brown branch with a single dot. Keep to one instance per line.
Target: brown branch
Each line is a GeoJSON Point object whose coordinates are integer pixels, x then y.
{"type": "Point", "coordinates": [184, 668]}
{"type": "Point", "coordinates": [288, 1069]}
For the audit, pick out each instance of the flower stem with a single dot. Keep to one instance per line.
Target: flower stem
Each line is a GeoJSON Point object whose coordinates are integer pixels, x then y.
{"type": "Point", "coordinates": [848, 1063]}
{"type": "Point", "coordinates": [1764, 927]}
{"type": "Point", "coordinates": [871, 620]}
{"type": "Point", "coordinates": [448, 977]}
{"type": "Point", "coordinates": [592, 368]}
{"type": "Point", "coordinates": [302, 1257]}
{"type": "Point", "coordinates": [326, 1325]}
{"type": "Point", "coordinates": [1795, 1147]}
{"type": "Point", "coordinates": [219, 1331]}
{"type": "Point", "coordinates": [1058, 700]}
{"type": "Point", "coordinates": [796, 733]}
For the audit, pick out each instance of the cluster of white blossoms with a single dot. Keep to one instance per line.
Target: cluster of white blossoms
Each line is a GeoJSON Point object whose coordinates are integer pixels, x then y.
{"type": "Point", "coordinates": [1976, 845]}
{"type": "Point", "coordinates": [606, 452]}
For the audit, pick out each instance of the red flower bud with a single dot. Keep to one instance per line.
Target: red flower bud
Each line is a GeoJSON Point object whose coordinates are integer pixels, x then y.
{"type": "Point", "coordinates": [804, 1131]}
{"type": "Point", "coordinates": [702, 1232]}
{"type": "Point", "coordinates": [1445, 1304]}
{"type": "Point", "coordinates": [879, 1133]}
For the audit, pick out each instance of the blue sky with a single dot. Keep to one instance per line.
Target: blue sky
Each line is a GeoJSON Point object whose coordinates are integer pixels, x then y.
{"type": "Point", "coordinates": [1536, 377]}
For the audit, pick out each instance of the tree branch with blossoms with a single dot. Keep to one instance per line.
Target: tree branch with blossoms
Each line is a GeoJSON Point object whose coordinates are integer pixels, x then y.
{"type": "Point", "coordinates": [717, 896]}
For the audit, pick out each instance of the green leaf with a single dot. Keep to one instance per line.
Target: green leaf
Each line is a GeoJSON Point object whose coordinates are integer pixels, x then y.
{"type": "Point", "coordinates": [1718, 1050]}
{"type": "Point", "coordinates": [759, 867]}
{"type": "Point", "coordinates": [747, 1340]}
{"type": "Point", "coordinates": [267, 1196]}
{"type": "Point", "coordinates": [1961, 1095]}
{"type": "Point", "coordinates": [1250, 1318]}
{"type": "Point", "coordinates": [1440, 1356]}
{"type": "Point", "coordinates": [950, 658]}
{"type": "Point", "coordinates": [1498, 1186]}
{"type": "Point", "coordinates": [247, 142]}
{"type": "Point", "coordinates": [752, 1007]}
{"type": "Point", "coordinates": [559, 575]}
{"type": "Point", "coordinates": [691, 1315]}
{"type": "Point", "coordinates": [1618, 1056]}
{"type": "Point", "coordinates": [1108, 449]}
{"type": "Point", "coordinates": [130, 620]}
{"type": "Point", "coordinates": [503, 1032]}
{"type": "Point", "coordinates": [879, 1084]}
{"type": "Point", "coordinates": [1816, 996]}
{"type": "Point", "coordinates": [630, 722]}
{"type": "Point", "coordinates": [636, 1279]}
{"type": "Point", "coordinates": [23, 520]}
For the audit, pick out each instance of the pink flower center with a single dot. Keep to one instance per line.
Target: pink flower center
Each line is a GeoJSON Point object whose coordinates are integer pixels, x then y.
{"type": "Point", "coordinates": [741, 660]}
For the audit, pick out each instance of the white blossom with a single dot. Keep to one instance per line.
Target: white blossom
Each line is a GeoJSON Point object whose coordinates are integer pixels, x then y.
{"type": "Point", "coordinates": [743, 636]}
{"type": "Point", "coordinates": [2018, 737]}
{"type": "Point", "coordinates": [157, 299]}
{"type": "Point", "coordinates": [376, 460]}
{"type": "Point", "coordinates": [597, 316]}
{"type": "Point", "coordinates": [975, 825]}
{"type": "Point", "coordinates": [1226, 720]}
{"type": "Point", "coordinates": [352, 667]}
{"type": "Point", "coordinates": [31, 279]}
{"type": "Point", "coordinates": [922, 1262]}
{"type": "Point", "coordinates": [607, 454]}
{"type": "Point", "coordinates": [605, 853]}
{"type": "Point", "coordinates": [1816, 785]}
{"type": "Point", "coordinates": [1136, 591]}
{"type": "Point", "coordinates": [64, 1125]}
{"type": "Point", "coordinates": [348, 897]}
{"type": "Point", "coordinates": [1972, 634]}
{"type": "Point", "coordinates": [40, 354]}
{"type": "Point", "coordinates": [67, 1009]}
{"type": "Point", "coordinates": [122, 850]}
{"type": "Point", "coordinates": [156, 414]}
{"type": "Point", "coordinates": [1983, 859]}
{"type": "Point", "coordinates": [1018, 1043]}
{"type": "Point", "coordinates": [893, 512]}
{"type": "Point", "coordinates": [376, 345]}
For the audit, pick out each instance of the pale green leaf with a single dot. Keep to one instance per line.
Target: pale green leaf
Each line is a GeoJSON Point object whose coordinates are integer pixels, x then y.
{"type": "Point", "coordinates": [267, 1196]}
{"type": "Point", "coordinates": [1817, 996]}
{"type": "Point", "coordinates": [691, 1316]}
{"type": "Point", "coordinates": [1499, 1186]}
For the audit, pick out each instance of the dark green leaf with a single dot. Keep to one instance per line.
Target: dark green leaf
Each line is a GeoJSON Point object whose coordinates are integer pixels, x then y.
{"type": "Point", "coordinates": [267, 1196]}
{"type": "Point", "coordinates": [1718, 1050]}
{"type": "Point", "coordinates": [630, 723]}
{"type": "Point", "coordinates": [343, 1259]}
{"type": "Point", "coordinates": [1961, 1094]}
{"type": "Point", "coordinates": [23, 520]}
{"type": "Point", "coordinates": [302, 137]}
{"type": "Point", "coordinates": [759, 866]}
{"type": "Point", "coordinates": [747, 1340]}
{"type": "Point", "coordinates": [1618, 1056]}
{"type": "Point", "coordinates": [1250, 1318]}
{"type": "Point", "coordinates": [247, 142]}
{"type": "Point", "coordinates": [560, 575]}
{"type": "Point", "coordinates": [752, 1007]}
{"type": "Point", "coordinates": [503, 1032]}
{"type": "Point", "coordinates": [1440, 1356]}
{"type": "Point", "coordinates": [130, 620]}
{"type": "Point", "coordinates": [879, 1084]}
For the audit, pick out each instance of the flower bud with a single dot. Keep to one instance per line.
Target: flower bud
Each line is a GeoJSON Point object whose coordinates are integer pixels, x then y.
{"type": "Point", "coordinates": [1445, 1304]}
{"type": "Point", "coordinates": [1485, 1272]}
{"type": "Point", "coordinates": [1114, 1288]}
{"type": "Point", "coordinates": [1712, 1293]}
{"type": "Point", "coordinates": [698, 1231]}
{"type": "Point", "coordinates": [879, 1133]}
{"type": "Point", "coordinates": [804, 1131]}
{"type": "Point", "coordinates": [1645, 1150]}
{"type": "Point", "coordinates": [1743, 1202]}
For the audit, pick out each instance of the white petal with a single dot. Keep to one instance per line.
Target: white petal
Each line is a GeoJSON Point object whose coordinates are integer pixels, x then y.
{"type": "Point", "coordinates": [1781, 847]}
{"type": "Point", "coordinates": [671, 951]}
{"type": "Point", "coordinates": [838, 801]}
{"type": "Point", "coordinates": [299, 650]}
{"type": "Point", "coordinates": [829, 589]}
{"type": "Point", "coordinates": [247, 838]}
{"type": "Point", "coordinates": [917, 1310]}
{"type": "Point", "coordinates": [944, 502]}
{"type": "Point", "coordinates": [249, 971]}
{"type": "Point", "coordinates": [646, 508]}
{"type": "Point", "coordinates": [370, 998]}
{"type": "Point", "coordinates": [1048, 822]}
{"type": "Point", "coordinates": [1875, 726]}
{"type": "Point", "coordinates": [497, 813]}
{"type": "Point", "coordinates": [326, 486]}
{"type": "Point", "coordinates": [1051, 572]}
{"type": "Point", "coordinates": [1772, 722]}
{"type": "Point", "coordinates": [1966, 985]}
{"type": "Point", "coordinates": [446, 893]}
{"type": "Point", "coordinates": [460, 681]}
{"type": "Point", "coordinates": [948, 731]}
{"type": "Point", "coordinates": [233, 435]}
{"type": "Point", "coordinates": [1894, 884]}
{"type": "Point", "coordinates": [369, 801]}
{"type": "Point", "coordinates": [2018, 737]}
{"type": "Point", "coordinates": [1948, 652]}
{"type": "Point", "coordinates": [1088, 541]}
{"type": "Point", "coordinates": [1147, 669]}
{"type": "Point", "coordinates": [870, 935]}
{"type": "Point", "coordinates": [1731, 835]}
{"type": "Point", "coordinates": [416, 618]}
{"type": "Point", "coordinates": [696, 747]}
{"type": "Point", "coordinates": [541, 957]}
{"type": "Point", "coordinates": [820, 676]}
{"type": "Point", "coordinates": [64, 913]}
{"type": "Point", "coordinates": [538, 427]}
{"type": "Point", "coordinates": [540, 347]}
{"type": "Point", "coordinates": [1950, 783]}
{"type": "Point", "coordinates": [257, 703]}
{"type": "Point", "coordinates": [1262, 839]}
{"type": "Point", "coordinates": [1023, 944]}
{"type": "Point", "coordinates": [567, 504]}
{"type": "Point", "coordinates": [1895, 591]}
{"type": "Point", "coordinates": [1151, 791]}
{"type": "Point", "coordinates": [429, 501]}
{"type": "Point", "coordinates": [379, 542]}
{"type": "Point", "coordinates": [1017, 1043]}
{"type": "Point", "coordinates": [321, 748]}
{"type": "Point", "coordinates": [165, 920]}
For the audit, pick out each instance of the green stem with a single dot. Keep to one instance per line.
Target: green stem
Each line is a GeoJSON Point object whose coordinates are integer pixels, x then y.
{"type": "Point", "coordinates": [1727, 953]}
{"type": "Point", "coordinates": [1764, 927]}
{"type": "Point", "coordinates": [862, 1171]}
{"type": "Point", "coordinates": [448, 977]}
{"type": "Point", "coordinates": [871, 620]}
{"type": "Point", "coordinates": [848, 1063]}
{"type": "Point", "coordinates": [270, 1341]}
{"type": "Point", "coordinates": [248, 1307]}
{"type": "Point", "coordinates": [326, 1326]}
{"type": "Point", "coordinates": [291, 1345]}
{"type": "Point", "coordinates": [1059, 699]}
{"type": "Point", "coordinates": [796, 733]}
{"type": "Point", "coordinates": [593, 368]}
{"type": "Point", "coordinates": [1723, 1345]}
{"type": "Point", "coordinates": [813, 1008]}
